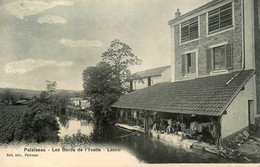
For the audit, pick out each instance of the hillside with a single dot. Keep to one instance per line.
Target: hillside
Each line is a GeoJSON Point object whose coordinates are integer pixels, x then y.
{"type": "Point", "coordinates": [31, 93]}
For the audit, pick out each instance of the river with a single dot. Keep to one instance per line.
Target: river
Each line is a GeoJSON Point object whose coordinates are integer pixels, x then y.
{"type": "Point", "coordinates": [143, 148]}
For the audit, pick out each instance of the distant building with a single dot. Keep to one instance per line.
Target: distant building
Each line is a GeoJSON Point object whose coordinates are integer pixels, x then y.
{"type": "Point", "coordinates": [22, 102]}
{"type": "Point", "coordinates": [150, 77]}
{"type": "Point", "coordinates": [79, 102]}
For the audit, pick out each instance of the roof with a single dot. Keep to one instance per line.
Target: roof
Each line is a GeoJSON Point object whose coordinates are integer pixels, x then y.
{"type": "Point", "coordinates": [201, 96]}
{"type": "Point", "coordinates": [150, 73]}
{"type": "Point", "coordinates": [76, 98]}
{"type": "Point", "coordinates": [21, 101]}
{"type": "Point", "coordinates": [207, 5]}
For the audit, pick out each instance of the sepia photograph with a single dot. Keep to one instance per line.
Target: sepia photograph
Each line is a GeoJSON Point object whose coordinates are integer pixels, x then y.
{"type": "Point", "coordinates": [129, 83]}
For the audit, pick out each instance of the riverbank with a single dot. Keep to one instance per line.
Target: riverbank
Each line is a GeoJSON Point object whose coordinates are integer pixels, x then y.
{"type": "Point", "coordinates": [245, 149]}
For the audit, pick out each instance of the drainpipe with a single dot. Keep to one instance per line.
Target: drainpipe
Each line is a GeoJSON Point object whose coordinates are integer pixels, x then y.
{"type": "Point", "coordinates": [243, 34]}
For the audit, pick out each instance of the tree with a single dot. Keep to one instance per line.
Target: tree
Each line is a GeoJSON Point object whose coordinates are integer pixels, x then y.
{"type": "Point", "coordinates": [58, 102]}
{"type": "Point", "coordinates": [51, 86]}
{"type": "Point", "coordinates": [104, 83]}
{"type": "Point", "coordinates": [120, 57]}
{"type": "Point", "coordinates": [44, 95]}
{"type": "Point", "coordinates": [10, 96]}
{"type": "Point", "coordinates": [101, 86]}
{"type": "Point", "coordinates": [38, 124]}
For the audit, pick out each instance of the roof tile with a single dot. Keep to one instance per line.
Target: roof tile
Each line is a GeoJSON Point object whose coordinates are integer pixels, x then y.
{"type": "Point", "coordinates": [201, 96]}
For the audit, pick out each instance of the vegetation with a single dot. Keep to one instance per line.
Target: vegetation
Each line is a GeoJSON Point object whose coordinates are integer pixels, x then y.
{"type": "Point", "coordinates": [10, 118]}
{"type": "Point", "coordinates": [107, 81]}
{"type": "Point", "coordinates": [35, 122]}
{"type": "Point", "coordinates": [58, 102]}
{"type": "Point", "coordinates": [51, 86]}
{"type": "Point", "coordinates": [23, 123]}
{"type": "Point", "coordinates": [76, 139]}
{"type": "Point", "coordinates": [101, 86]}
{"type": "Point", "coordinates": [119, 55]}
{"type": "Point", "coordinates": [11, 97]}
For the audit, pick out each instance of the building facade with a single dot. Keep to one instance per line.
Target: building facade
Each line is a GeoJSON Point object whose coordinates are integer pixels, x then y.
{"type": "Point", "coordinates": [214, 70]}
{"type": "Point", "coordinates": [78, 102]}
{"type": "Point", "coordinates": [218, 38]}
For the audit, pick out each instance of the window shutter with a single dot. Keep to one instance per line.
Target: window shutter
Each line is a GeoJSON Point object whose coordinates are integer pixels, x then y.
{"type": "Point", "coordinates": [209, 60]}
{"type": "Point", "coordinates": [229, 57]}
{"type": "Point", "coordinates": [193, 62]}
{"type": "Point", "coordinates": [184, 65]}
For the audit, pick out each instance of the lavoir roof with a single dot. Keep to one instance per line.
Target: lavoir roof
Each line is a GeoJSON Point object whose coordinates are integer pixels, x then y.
{"type": "Point", "coordinates": [209, 95]}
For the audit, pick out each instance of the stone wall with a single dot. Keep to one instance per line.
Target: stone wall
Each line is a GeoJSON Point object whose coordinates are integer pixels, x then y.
{"type": "Point", "coordinates": [232, 35]}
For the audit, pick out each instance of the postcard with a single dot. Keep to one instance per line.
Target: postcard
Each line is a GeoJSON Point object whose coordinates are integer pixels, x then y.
{"type": "Point", "coordinates": [129, 82]}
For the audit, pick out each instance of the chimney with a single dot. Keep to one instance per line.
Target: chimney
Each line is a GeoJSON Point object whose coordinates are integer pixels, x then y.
{"type": "Point", "coordinates": [178, 13]}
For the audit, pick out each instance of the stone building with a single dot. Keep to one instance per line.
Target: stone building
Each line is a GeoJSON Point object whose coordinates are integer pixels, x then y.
{"type": "Point", "coordinates": [214, 68]}
{"type": "Point", "coordinates": [217, 38]}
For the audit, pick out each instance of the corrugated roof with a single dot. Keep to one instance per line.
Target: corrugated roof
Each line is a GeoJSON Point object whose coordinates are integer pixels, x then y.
{"type": "Point", "coordinates": [201, 96]}
{"type": "Point", "coordinates": [150, 72]}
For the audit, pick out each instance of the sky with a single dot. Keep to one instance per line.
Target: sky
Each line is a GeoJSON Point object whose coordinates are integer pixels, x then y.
{"type": "Point", "coordinates": [57, 39]}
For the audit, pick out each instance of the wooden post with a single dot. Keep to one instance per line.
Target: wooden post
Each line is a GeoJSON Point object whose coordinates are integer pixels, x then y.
{"type": "Point", "coordinates": [137, 118]}
{"type": "Point", "coordinates": [220, 140]}
{"type": "Point", "coordinates": [117, 114]}
{"type": "Point", "coordinates": [146, 125]}
{"type": "Point", "coordinates": [126, 115]}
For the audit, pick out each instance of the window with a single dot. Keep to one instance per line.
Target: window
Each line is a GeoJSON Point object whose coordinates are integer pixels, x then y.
{"type": "Point", "coordinates": [189, 63]}
{"type": "Point", "coordinates": [220, 18]}
{"type": "Point", "coordinates": [219, 58]}
{"type": "Point", "coordinates": [189, 30]}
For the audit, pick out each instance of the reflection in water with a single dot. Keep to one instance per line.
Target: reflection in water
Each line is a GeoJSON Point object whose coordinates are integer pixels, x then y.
{"type": "Point", "coordinates": [64, 121]}
{"type": "Point", "coordinates": [142, 147]}
{"type": "Point", "coordinates": [153, 151]}
{"type": "Point", "coordinates": [71, 125]}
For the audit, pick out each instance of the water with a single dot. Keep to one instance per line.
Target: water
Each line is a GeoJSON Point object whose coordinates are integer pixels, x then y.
{"type": "Point", "coordinates": [143, 148]}
{"type": "Point", "coordinates": [72, 125]}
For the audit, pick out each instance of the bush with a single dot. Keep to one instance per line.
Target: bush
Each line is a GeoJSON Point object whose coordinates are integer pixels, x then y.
{"type": "Point", "coordinates": [45, 127]}
{"type": "Point", "coordinates": [76, 139]}
{"type": "Point", "coordinates": [39, 124]}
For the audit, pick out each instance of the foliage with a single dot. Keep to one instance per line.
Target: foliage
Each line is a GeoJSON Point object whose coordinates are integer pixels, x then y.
{"type": "Point", "coordinates": [76, 139]}
{"type": "Point", "coordinates": [44, 95]}
{"type": "Point", "coordinates": [101, 86]}
{"type": "Point", "coordinates": [35, 123]}
{"type": "Point", "coordinates": [59, 101]}
{"type": "Point", "coordinates": [11, 96]}
{"type": "Point", "coordinates": [51, 86]}
{"type": "Point", "coordinates": [104, 83]}
{"type": "Point", "coordinates": [39, 124]}
{"type": "Point", "coordinates": [120, 57]}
